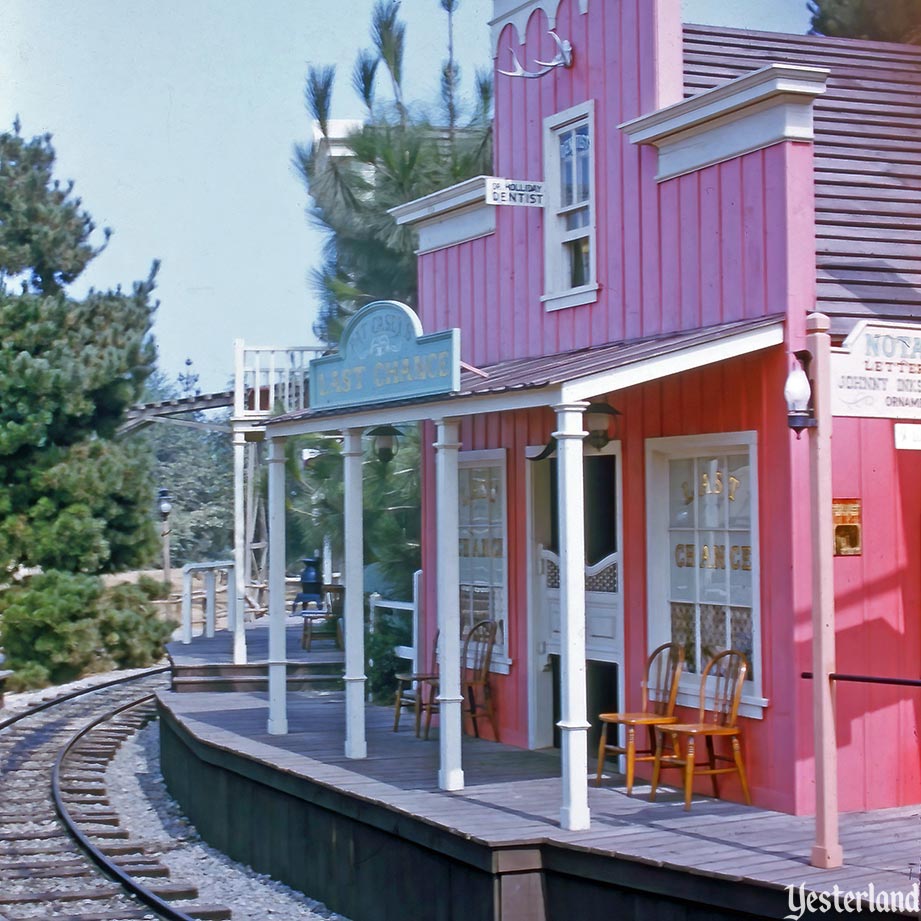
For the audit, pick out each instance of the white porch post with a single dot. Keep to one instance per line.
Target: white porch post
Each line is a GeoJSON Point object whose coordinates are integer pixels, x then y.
{"type": "Point", "coordinates": [278, 716]}
{"type": "Point", "coordinates": [450, 773]}
{"type": "Point", "coordinates": [356, 745]}
{"type": "Point", "coordinates": [573, 724]}
{"type": "Point", "coordinates": [239, 549]}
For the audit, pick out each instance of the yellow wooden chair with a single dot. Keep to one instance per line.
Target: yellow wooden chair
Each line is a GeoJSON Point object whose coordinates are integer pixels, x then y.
{"type": "Point", "coordinates": [660, 688]}
{"type": "Point", "coordinates": [721, 684]}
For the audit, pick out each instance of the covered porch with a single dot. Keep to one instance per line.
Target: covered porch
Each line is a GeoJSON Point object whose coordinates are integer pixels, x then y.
{"type": "Point", "coordinates": [563, 383]}
{"type": "Point", "coordinates": [378, 837]}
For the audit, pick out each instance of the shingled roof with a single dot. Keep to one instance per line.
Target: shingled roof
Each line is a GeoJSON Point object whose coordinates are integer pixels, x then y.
{"type": "Point", "coordinates": [868, 160]}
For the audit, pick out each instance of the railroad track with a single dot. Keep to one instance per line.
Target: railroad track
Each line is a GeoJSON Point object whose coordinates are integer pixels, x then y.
{"type": "Point", "coordinates": [63, 855]}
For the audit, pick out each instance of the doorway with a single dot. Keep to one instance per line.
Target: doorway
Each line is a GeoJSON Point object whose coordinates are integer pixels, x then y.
{"type": "Point", "coordinates": [604, 634]}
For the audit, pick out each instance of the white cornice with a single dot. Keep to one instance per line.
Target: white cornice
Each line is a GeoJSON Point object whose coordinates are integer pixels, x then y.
{"type": "Point", "coordinates": [518, 12]}
{"type": "Point", "coordinates": [755, 110]}
{"type": "Point", "coordinates": [449, 216]}
{"type": "Point", "coordinates": [437, 204]}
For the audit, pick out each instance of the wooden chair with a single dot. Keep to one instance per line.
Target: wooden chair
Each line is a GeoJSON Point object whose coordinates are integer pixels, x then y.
{"type": "Point", "coordinates": [412, 687]}
{"type": "Point", "coordinates": [476, 658]}
{"type": "Point", "coordinates": [660, 688]}
{"type": "Point", "coordinates": [726, 672]}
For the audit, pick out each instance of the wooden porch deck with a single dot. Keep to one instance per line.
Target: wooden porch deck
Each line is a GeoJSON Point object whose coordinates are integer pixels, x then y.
{"type": "Point", "coordinates": [739, 855]}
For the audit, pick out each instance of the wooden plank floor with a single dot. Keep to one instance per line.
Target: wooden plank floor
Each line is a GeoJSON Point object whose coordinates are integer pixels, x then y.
{"type": "Point", "coordinates": [513, 796]}
{"type": "Point", "coordinates": [218, 649]}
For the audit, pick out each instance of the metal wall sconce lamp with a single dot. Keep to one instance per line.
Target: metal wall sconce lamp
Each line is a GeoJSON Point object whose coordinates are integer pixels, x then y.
{"type": "Point", "coordinates": [597, 418]}
{"type": "Point", "coordinates": [563, 59]}
{"type": "Point", "coordinates": [386, 443]}
{"type": "Point", "coordinates": [798, 393]}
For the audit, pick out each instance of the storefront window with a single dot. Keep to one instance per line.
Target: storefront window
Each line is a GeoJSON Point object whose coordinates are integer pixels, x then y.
{"type": "Point", "coordinates": [483, 542]}
{"type": "Point", "coordinates": [702, 503]}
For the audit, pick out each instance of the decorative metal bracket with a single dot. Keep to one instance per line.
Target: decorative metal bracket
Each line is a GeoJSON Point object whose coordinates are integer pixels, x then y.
{"type": "Point", "coordinates": [563, 59]}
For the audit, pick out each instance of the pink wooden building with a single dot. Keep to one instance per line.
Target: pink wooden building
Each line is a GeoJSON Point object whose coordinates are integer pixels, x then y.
{"type": "Point", "coordinates": [696, 179]}
{"type": "Point", "coordinates": [704, 191]}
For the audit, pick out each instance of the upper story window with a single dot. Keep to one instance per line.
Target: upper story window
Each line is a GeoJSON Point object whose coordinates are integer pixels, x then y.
{"type": "Point", "coordinates": [569, 220]}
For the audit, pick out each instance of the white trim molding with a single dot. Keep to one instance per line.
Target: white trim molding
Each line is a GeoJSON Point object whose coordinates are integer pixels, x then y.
{"type": "Point", "coordinates": [518, 12]}
{"type": "Point", "coordinates": [754, 111]}
{"type": "Point", "coordinates": [457, 214]}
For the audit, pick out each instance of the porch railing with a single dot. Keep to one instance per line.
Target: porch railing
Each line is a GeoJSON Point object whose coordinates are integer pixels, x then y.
{"type": "Point", "coordinates": [270, 381]}
{"type": "Point", "coordinates": [208, 573]}
{"type": "Point", "coordinates": [376, 602]}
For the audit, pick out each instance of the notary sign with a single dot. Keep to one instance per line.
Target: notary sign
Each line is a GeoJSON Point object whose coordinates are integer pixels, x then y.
{"type": "Point", "coordinates": [877, 372]}
{"type": "Point", "coordinates": [522, 192]}
{"type": "Point", "coordinates": [383, 356]}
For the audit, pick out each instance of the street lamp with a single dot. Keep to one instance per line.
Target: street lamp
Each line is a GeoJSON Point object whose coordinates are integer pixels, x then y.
{"type": "Point", "coordinates": [809, 406]}
{"type": "Point", "coordinates": [165, 506]}
{"type": "Point", "coordinates": [386, 442]}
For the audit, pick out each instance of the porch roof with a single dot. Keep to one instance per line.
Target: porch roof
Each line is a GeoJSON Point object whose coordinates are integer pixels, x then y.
{"type": "Point", "coordinates": [548, 380]}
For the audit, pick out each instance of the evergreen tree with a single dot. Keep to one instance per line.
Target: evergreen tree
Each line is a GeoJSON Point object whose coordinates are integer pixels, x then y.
{"type": "Point", "coordinates": [397, 154]}
{"type": "Point", "coordinates": [196, 466]}
{"type": "Point", "coordinates": [881, 20]}
{"type": "Point", "coordinates": [72, 497]}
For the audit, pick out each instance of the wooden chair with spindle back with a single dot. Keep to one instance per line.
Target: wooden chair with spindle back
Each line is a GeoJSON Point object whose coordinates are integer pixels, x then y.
{"type": "Point", "coordinates": [413, 686]}
{"type": "Point", "coordinates": [721, 687]}
{"type": "Point", "coordinates": [660, 689]}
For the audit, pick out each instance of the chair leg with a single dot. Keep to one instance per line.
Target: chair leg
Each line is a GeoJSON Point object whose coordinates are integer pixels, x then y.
{"type": "Point", "coordinates": [656, 767]}
{"type": "Point", "coordinates": [737, 755]}
{"type": "Point", "coordinates": [397, 705]}
{"type": "Point", "coordinates": [602, 742]}
{"type": "Point", "coordinates": [689, 774]}
{"type": "Point", "coordinates": [472, 698]}
{"type": "Point", "coordinates": [418, 706]}
{"type": "Point", "coordinates": [631, 757]}
{"type": "Point", "coordinates": [428, 711]}
{"type": "Point", "coordinates": [712, 756]}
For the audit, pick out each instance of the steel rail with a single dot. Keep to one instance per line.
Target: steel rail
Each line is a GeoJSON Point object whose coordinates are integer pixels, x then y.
{"type": "Point", "coordinates": [109, 867]}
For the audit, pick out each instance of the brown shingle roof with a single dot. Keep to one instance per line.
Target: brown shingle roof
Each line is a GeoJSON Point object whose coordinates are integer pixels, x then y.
{"type": "Point", "coordinates": [868, 159]}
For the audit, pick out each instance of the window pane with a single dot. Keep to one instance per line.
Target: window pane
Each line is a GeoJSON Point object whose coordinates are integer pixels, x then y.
{"type": "Point", "coordinates": [681, 493]}
{"type": "Point", "coordinates": [583, 163]}
{"type": "Point", "coordinates": [711, 566]}
{"type": "Point", "coordinates": [577, 254]}
{"type": "Point", "coordinates": [711, 489]}
{"type": "Point", "coordinates": [684, 632]}
{"type": "Point", "coordinates": [567, 168]}
{"type": "Point", "coordinates": [713, 636]}
{"type": "Point", "coordinates": [740, 569]}
{"type": "Point", "coordinates": [743, 637]}
{"type": "Point", "coordinates": [738, 491]}
{"type": "Point", "coordinates": [576, 219]}
{"type": "Point", "coordinates": [683, 567]}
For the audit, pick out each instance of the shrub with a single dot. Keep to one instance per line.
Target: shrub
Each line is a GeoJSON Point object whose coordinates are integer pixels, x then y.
{"type": "Point", "coordinates": [382, 663]}
{"type": "Point", "coordinates": [57, 626]}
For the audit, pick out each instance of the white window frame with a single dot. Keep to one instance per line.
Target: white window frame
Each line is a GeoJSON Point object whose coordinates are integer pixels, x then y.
{"type": "Point", "coordinates": [496, 459]}
{"type": "Point", "coordinates": [659, 451]}
{"type": "Point", "coordinates": [558, 293]}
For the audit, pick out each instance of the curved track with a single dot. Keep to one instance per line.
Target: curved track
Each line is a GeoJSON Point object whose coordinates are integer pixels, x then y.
{"type": "Point", "coordinates": [62, 853]}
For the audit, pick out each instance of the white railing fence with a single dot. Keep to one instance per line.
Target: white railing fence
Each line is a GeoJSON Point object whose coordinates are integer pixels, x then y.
{"type": "Point", "coordinates": [205, 582]}
{"type": "Point", "coordinates": [269, 380]}
{"type": "Point", "coordinates": [376, 603]}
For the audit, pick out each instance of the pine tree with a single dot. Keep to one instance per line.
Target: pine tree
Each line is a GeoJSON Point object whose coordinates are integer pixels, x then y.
{"type": "Point", "coordinates": [397, 154]}
{"type": "Point", "coordinates": [881, 20]}
{"type": "Point", "coordinates": [71, 496]}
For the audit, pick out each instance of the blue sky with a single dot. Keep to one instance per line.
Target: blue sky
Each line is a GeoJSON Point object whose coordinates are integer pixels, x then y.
{"type": "Point", "coordinates": [177, 119]}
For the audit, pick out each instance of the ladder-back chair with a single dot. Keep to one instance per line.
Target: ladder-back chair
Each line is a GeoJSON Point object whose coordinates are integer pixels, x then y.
{"type": "Point", "coordinates": [476, 658]}
{"type": "Point", "coordinates": [721, 687]}
{"type": "Point", "coordinates": [660, 689]}
{"type": "Point", "coordinates": [412, 688]}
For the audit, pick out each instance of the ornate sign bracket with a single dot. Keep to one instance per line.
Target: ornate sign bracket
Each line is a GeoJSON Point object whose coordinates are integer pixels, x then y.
{"type": "Point", "coordinates": [563, 59]}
